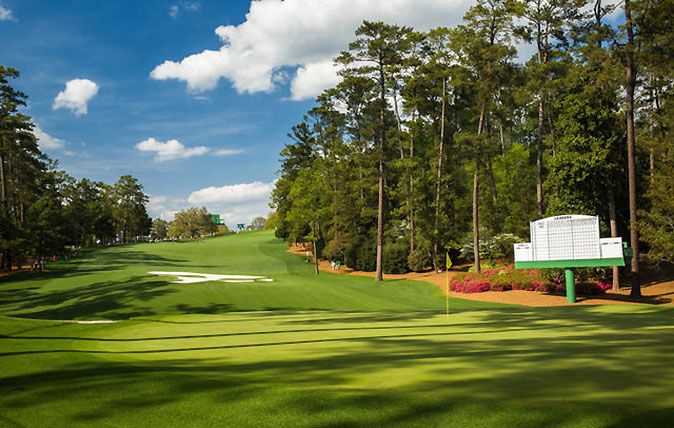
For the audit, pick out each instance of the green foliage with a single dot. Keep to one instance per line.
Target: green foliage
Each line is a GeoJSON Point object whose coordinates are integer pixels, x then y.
{"type": "Point", "coordinates": [272, 220]}
{"type": "Point", "coordinates": [657, 224]}
{"type": "Point", "coordinates": [191, 223]}
{"type": "Point", "coordinates": [159, 229]}
{"type": "Point", "coordinates": [419, 259]}
{"type": "Point", "coordinates": [129, 208]}
{"type": "Point", "coordinates": [395, 257]}
{"type": "Point", "coordinates": [365, 256]}
{"type": "Point", "coordinates": [258, 223]}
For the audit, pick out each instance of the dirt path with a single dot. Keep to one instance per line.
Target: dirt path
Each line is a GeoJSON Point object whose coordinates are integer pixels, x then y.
{"type": "Point", "coordinates": [658, 294]}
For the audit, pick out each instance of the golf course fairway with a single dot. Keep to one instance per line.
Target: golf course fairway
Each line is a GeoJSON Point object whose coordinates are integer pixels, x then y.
{"type": "Point", "coordinates": [100, 341]}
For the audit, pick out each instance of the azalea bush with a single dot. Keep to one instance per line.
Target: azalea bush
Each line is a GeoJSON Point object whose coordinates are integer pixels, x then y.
{"type": "Point", "coordinates": [506, 277]}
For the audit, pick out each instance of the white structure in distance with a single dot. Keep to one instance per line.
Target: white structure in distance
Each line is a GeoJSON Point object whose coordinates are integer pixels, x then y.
{"type": "Point", "coordinates": [567, 237]}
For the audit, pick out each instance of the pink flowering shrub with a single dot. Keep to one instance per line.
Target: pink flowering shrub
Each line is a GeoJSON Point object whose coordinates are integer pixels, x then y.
{"type": "Point", "coordinates": [505, 278]}
{"type": "Point", "coordinates": [604, 285]}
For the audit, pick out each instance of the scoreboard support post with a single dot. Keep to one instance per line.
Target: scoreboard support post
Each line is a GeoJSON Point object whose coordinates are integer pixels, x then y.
{"type": "Point", "coordinates": [570, 286]}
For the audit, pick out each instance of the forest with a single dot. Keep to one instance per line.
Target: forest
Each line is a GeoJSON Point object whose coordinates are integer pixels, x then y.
{"type": "Point", "coordinates": [447, 142]}
{"type": "Point", "coordinates": [44, 212]}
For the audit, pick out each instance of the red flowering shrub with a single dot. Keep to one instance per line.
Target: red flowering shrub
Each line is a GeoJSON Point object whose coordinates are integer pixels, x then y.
{"type": "Point", "coordinates": [504, 278]}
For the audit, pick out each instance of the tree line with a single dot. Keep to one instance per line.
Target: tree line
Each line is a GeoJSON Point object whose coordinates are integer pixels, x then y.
{"type": "Point", "coordinates": [196, 222]}
{"type": "Point", "coordinates": [44, 210]}
{"type": "Point", "coordinates": [441, 141]}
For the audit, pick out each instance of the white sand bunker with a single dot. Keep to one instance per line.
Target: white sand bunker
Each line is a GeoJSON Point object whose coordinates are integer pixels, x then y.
{"type": "Point", "coordinates": [192, 278]}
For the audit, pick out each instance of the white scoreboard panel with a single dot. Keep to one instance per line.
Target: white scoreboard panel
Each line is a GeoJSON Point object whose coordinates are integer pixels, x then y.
{"type": "Point", "coordinates": [566, 237]}
{"type": "Point", "coordinates": [572, 239]}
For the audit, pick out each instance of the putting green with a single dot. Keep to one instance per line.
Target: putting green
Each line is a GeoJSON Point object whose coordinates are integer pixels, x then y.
{"type": "Point", "coordinates": [335, 351]}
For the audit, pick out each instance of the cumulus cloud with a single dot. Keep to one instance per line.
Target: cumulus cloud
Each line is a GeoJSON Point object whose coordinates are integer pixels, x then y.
{"type": "Point", "coordinates": [163, 207]}
{"type": "Point", "coordinates": [312, 79]}
{"type": "Point", "coordinates": [76, 96]}
{"type": "Point", "coordinates": [243, 192]}
{"type": "Point", "coordinates": [170, 150]}
{"type": "Point", "coordinates": [5, 14]}
{"type": "Point", "coordinates": [46, 141]}
{"type": "Point", "coordinates": [299, 34]}
{"type": "Point", "coordinates": [236, 203]}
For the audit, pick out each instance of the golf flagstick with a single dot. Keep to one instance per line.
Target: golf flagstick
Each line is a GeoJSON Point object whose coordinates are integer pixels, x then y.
{"type": "Point", "coordinates": [448, 264]}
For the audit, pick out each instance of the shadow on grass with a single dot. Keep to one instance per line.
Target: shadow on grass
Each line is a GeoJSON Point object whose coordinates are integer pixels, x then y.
{"type": "Point", "coordinates": [90, 262]}
{"type": "Point", "coordinates": [111, 299]}
{"type": "Point", "coordinates": [578, 366]}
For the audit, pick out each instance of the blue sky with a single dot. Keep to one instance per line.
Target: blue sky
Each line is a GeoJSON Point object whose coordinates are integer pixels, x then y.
{"type": "Point", "coordinates": [194, 98]}
{"type": "Point", "coordinates": [117, 44]}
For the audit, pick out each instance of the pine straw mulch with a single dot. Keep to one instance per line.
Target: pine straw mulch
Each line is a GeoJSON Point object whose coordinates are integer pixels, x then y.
{"type": "Point", "coordinates": [658, 293]}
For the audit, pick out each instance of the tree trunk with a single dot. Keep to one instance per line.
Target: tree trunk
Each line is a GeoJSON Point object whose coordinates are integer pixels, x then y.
{"type": "Point", "coordinates": [315, 258]}
{"type": "Point", "coordinates": [501, 137]}
{"type": "Point", "coordinates": [436, 230]}
{"type": "Point", "coordinates": [411, 188]}
{"type": "Point", "coordinates": [539, 160]}
{"type": "Point", "coordinates": [651, 152]}
{"type": "Point", "coordinates": [400, 126]}
{"type": "Point", "coordinates": [380, 203]}
{"type": "Point", "coordinates": [3, 182]}
{"type": "Point", "coordinates": [630, 74]}
{"type": "Point", "coordinates": [494, 194]}
{"type": "Point", "coordinates": [614, 234]}
{"type": "Point", "coordinates": [3, 194]}
{"type": "Point", "coordinates": [476, 187]}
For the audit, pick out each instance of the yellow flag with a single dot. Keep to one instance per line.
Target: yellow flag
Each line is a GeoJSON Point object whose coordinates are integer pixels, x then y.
{"type": "Point", "coordinates": [448, 262]}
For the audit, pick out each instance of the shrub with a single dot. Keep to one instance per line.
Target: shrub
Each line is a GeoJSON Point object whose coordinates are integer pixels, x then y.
{"type": "Point", "coordinates": [366, 256]}
{"type": "Point", "coordinates": [418, 260]}
{"type": "Point", "coordinates": [504, 278]}
{"type": "Point", "coordinates": [334, 251]}
{"type": "Point", "coordinates": [470, 286]}
{"type": "Point", "coordinates": [395, 257]}
{"type": "Point", "coordinates": [507, 278]}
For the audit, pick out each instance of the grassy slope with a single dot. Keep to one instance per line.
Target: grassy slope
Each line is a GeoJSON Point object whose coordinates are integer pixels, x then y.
{"type": "Point", "coordinates": [113, 283]}
{"type": "Point", "coordinates": [381, 362]}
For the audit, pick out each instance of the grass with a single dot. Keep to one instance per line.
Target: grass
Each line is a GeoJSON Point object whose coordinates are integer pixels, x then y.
{"type": "Point", "coordinates": [114, 283]}
{"type": "Point", "coordinates": [305, 351]}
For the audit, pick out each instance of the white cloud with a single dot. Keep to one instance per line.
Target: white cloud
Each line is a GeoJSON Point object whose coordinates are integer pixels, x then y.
{"type": "Point", "coordinates": [76, 96]}
{"type": "Point", "coordinates": [243, 192]}
{"type": "Point", "coordinates": [164, 207]}
{"type": "Point", "coordinates": [170, 150]}
{"type": "Point", "coordinates": [228, 152]}
{"type": "Point", "coordinates": [185, 6]}
{"type": "Point", "coordinates": [297, 33]}
{"type": "Point", "coordinates": [5, 14]}
{"type": "Point", "coordinates": [312, 79]}
{"type": "Point", "coordinates": [46, 141]}
{"type": "Point", "coordinates": [236, 203]}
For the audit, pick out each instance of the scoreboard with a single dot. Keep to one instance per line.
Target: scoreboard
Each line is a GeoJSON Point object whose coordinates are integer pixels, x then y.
{"type": "Point", "coordinates": [568, 241]}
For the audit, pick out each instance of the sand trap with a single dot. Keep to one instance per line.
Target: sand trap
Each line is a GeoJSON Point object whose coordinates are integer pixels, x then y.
{"type": "Point", "coordinates": [193, 278]}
